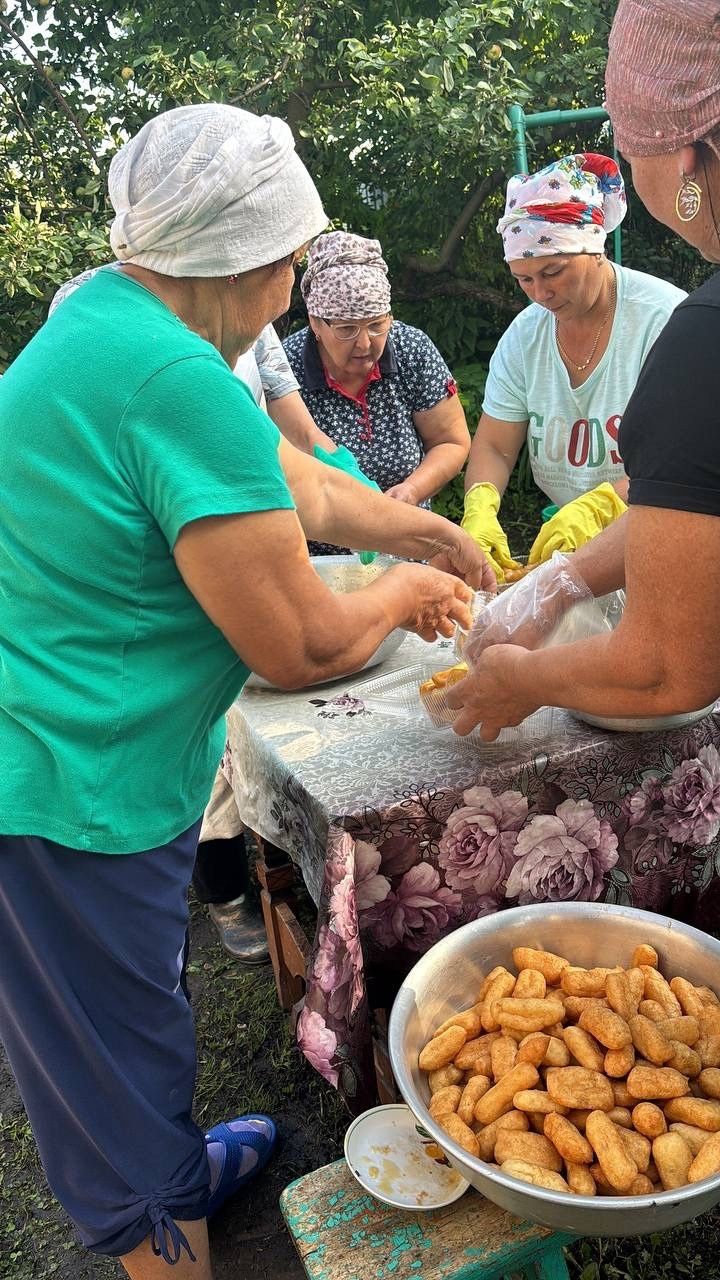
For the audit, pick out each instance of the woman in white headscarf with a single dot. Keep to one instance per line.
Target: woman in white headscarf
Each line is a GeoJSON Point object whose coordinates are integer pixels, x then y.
{"type": "Point", "coordinates": [152, 552]}
{"type": "Point", "coordinates": [663, 95]}
{"type": "Point", "coordinates": [565, 368]}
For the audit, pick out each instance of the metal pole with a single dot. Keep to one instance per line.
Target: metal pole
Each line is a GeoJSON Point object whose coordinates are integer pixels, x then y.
{"type": "Point", "coordinates": [540, 118]}
{"type": "Point", "coordinates": [517, 120]}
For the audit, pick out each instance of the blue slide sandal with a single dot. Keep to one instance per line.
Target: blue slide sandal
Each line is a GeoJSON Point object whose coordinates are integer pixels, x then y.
{"type": "Point", "coordinates": [262, 1140]}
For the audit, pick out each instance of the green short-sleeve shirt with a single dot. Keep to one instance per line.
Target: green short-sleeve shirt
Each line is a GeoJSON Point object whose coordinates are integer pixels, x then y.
{"type": "Point", "coordinates": [118, 426]}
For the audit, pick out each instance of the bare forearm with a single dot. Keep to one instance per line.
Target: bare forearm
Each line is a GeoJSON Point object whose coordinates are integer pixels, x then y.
{"type": "Point", "coordinates": [358, 517]}
{"type": "Point", "coordinates": [488, 465]}
{"type": "Point", "coordinates": [623, 673]}
{"type": "Point", "coordinates": [346, 633]}
{"type": "Point", "coordinates": [440, 464]}
{"type": "Point", "coordinates": [294, 420]}
{"type": "Point", "coordinates": [601, 561]}
{"type": "Point", "coordinates": [334, 507]}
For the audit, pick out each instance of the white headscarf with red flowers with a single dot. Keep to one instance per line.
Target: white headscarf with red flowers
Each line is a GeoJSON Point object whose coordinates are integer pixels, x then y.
{"type": "Point", "coordinates": [568, 207]}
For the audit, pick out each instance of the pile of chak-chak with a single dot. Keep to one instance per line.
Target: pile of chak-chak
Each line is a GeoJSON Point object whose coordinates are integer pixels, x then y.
{"type": "Point", "coordinates": [583, 1080]}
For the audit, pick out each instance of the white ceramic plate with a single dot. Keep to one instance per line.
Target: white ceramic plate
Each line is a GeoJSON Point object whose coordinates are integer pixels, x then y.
{"type": "Point", "coordinates": [385, 1152]}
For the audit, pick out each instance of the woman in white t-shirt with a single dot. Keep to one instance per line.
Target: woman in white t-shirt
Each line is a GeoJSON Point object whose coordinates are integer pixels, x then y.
{"type": "Point", "coordinates": [564, 369]}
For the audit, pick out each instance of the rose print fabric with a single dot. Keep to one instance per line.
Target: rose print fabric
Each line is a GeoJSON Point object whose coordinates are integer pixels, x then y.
{"type": "Point", "coordinates": [403, 835]}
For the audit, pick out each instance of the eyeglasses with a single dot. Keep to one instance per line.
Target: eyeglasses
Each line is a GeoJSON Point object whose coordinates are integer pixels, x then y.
{"type": "Point", "coordinates": [349, 332]}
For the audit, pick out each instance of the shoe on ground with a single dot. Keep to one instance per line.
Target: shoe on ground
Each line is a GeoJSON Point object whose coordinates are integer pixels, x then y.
{"type": "Point", "coordinates": [237, 1151]}
{"type": "Point", "coordinates": [242, 931]}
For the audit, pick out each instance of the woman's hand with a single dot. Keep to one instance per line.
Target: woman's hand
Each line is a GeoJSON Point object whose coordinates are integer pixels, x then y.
{"type": "Point", "coordinates": [404, 492]}
{"type": "Point", "coordinates": [436, 601]}
{"type": "Point", "coordinates": [463, 557]}
{"type": "Point", "coordinates": [491, 695]}
{"type": "Point", "coordinates": [527, 613]}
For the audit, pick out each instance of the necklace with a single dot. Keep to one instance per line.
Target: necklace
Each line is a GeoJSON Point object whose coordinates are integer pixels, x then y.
{"type": "Point", "coordinates": [579, 367]}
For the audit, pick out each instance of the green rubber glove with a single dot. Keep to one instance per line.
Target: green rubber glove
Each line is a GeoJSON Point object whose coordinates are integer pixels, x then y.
{"type": "Point", "coordinates": [480, 520]}
{"type": "Point", "coordinates": [577, 522]}
{"type": "Point", "coordinates": [343, 460]}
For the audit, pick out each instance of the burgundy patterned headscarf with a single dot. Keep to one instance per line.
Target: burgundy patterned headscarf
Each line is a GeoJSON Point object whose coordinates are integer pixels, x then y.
{"type": "Point", "coordinates": [346, 278]}
{"type": "Point", "coordinates": [662, 83]}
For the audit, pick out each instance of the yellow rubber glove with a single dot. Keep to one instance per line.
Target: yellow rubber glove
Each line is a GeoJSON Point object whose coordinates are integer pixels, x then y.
{"type": "Point", "coordinates": [480, 520]}
{"type": "Point", "coordinates": [577, 522]}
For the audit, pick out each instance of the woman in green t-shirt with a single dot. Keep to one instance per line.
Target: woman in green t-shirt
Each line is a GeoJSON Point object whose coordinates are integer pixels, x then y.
{"type": "Point", "coordinates": [153, 552]}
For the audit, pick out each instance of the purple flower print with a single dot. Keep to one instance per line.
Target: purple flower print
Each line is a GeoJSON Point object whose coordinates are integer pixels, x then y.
{"type": "Point", "coordinates": [415, 914]}
{"type": "Point", "coordinates": [342, 909]}
{"type": "Point", "coordinates": [692, 799]}
{"type": "Point", "coordinates": [475, 908]}
{"type": "Point", "coordinates": [646, 803]}
{"type": "Point", "coordinates": [338, 971]}
{"type": "Point", "coordinates": [370, 888]}
{"type": "Point", "coordinates": [562, 856]}
{"type": "Point", "coordinates": [476, 849]}
{"type": "Point", "coordinates": [338, 963]}
{"type": "Point", "coordinates": [399, 854]}
{"type": "Point", "coordinates": [646, 838]}
{"type": "Point", "coordinates": [318, 1043]}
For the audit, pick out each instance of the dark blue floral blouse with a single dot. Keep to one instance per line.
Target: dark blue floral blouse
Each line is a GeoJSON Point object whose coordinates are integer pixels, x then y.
{"type": "Point", "coordinates": [377, 426]}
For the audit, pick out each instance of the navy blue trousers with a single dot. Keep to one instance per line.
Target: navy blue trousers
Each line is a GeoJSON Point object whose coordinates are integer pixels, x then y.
{"type": "Point", "coordinates": [99, 1034]}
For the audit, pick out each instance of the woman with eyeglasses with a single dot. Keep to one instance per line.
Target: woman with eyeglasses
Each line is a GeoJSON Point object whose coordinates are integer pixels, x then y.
{"type": "Point", "coordinates": [379, 388]}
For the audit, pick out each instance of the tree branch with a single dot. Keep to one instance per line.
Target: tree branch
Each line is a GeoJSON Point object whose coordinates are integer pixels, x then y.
{"type": "Point", "coordinates": [53, 89]}
{"type": "Point", "coordinates": [299, 36]}
{"type": "Point", "coordinates": [35, 141]}
{"type": "Point", "coordinates": [263, 84]}
{"type": "Point", "coordinates": [461, 288]}
{"type": "Point", "coordinates": [453, 241]}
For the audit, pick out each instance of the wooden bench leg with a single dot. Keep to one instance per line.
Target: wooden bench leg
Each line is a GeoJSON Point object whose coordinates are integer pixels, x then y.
{"type": "Point", "coordinates": [386, 1087]}
{"type": "Point", "coordinates": [287, 942]}
{"type": "Point", "coordinates": [551, 1265]}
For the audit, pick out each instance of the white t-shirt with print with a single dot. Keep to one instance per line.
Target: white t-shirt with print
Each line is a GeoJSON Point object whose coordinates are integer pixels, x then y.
{"type": "Point", "coordinates": [265, 370]}
{"type": "Point", "coordinates": [572, 431]}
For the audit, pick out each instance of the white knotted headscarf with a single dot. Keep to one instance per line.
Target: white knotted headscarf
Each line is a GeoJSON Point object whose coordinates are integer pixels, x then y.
{"type": "Point", "coordinates": [211, 190]}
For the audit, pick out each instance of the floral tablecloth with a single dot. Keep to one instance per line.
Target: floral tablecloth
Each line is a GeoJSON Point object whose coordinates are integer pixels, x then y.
{"type": "Point", "coordinates": [403, 833]}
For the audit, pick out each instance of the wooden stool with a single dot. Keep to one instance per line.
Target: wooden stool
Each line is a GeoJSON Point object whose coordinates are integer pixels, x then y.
{"type": "Point", "coordinates": [289, 947]}
{"type": "Point", "coordinates": [343, 1233]}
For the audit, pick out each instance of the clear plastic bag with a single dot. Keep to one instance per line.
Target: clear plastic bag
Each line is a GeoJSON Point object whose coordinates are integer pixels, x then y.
{"type": "Point", "coordinates": [553, 605]}
{"type": "Point", "coordinates": [529, 611]}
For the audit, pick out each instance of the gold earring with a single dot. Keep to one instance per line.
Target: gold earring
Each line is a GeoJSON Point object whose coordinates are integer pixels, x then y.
{"type": "Point", "coordinates": [688, 200]}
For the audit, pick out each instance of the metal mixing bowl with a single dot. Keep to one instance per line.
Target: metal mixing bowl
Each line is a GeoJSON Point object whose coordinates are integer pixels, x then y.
{"type": "Point", "coordinates": [587, 933]}
{"type": "Point", "coordinates": [346, 573]}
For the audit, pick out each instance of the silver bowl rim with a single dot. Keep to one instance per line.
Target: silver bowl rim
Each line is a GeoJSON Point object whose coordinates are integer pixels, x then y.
{"type": "Point", "coordinates": [594, 1204]}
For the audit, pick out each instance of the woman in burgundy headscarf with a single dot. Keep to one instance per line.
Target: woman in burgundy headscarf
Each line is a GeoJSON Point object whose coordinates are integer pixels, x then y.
{"type": "Point", "coordinates": [663, 95]}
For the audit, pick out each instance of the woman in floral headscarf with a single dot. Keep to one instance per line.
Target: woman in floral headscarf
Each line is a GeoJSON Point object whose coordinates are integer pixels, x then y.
{"type": "Point", "coordinates": [663, 95]}
{"type": "Point", "coordinates": [564, 370]}
{"type": "Point", "coordinates": [379, 388]}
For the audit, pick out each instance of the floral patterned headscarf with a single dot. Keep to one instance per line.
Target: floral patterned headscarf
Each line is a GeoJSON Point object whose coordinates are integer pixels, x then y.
{"type": "Point", "coordinates": [346, 278]}
{"type": "Point", "coordinates": [568, 207]}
